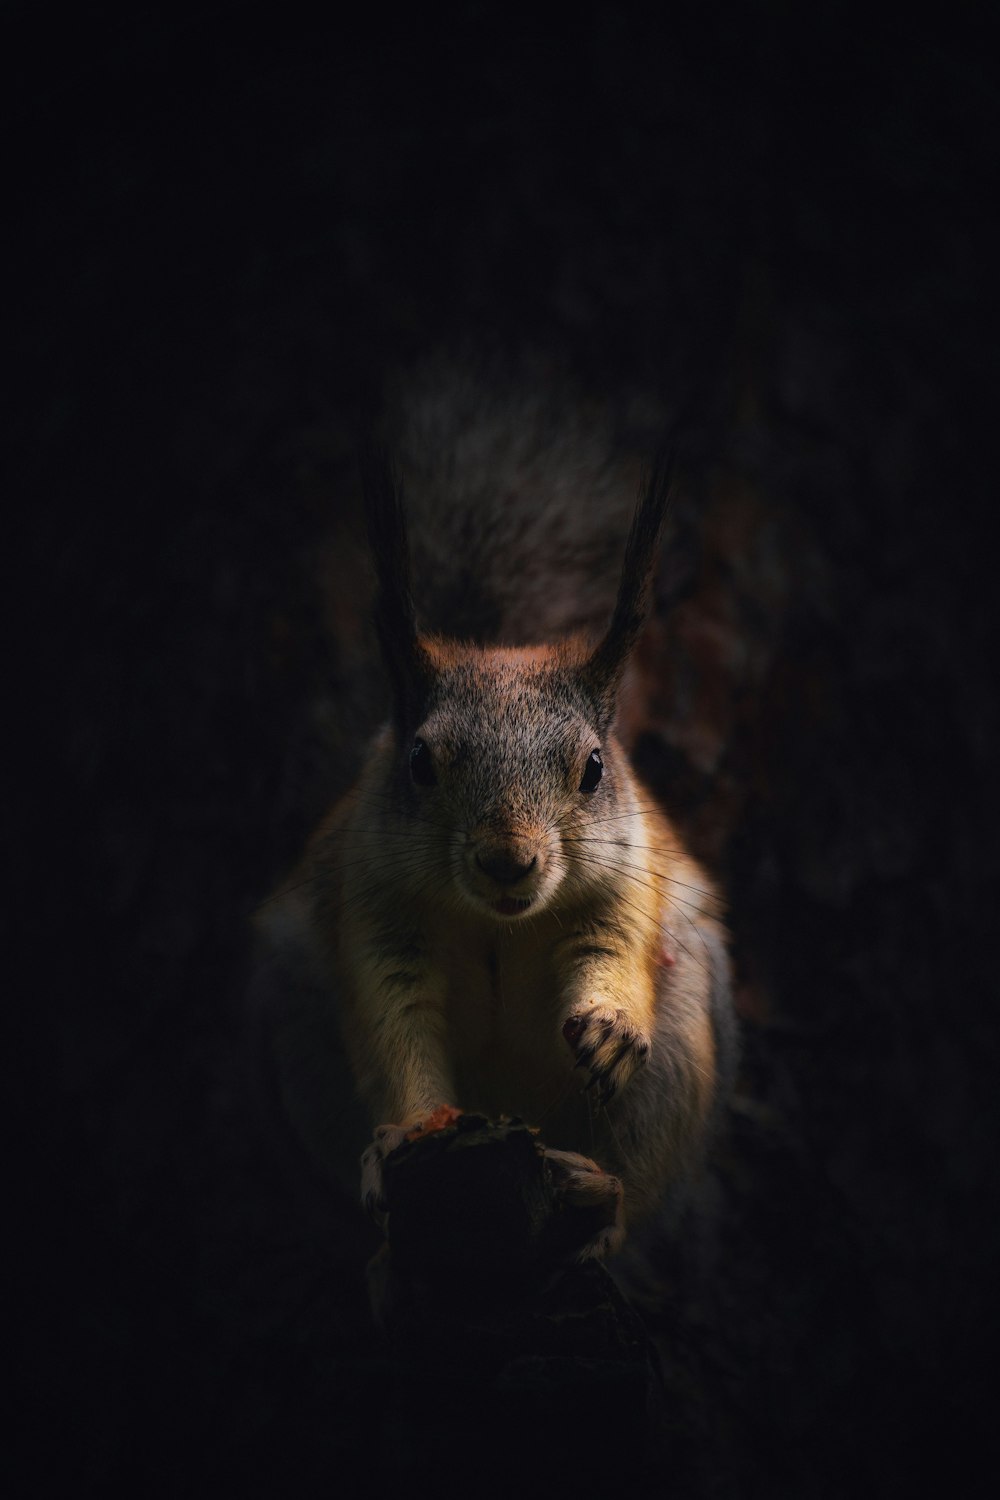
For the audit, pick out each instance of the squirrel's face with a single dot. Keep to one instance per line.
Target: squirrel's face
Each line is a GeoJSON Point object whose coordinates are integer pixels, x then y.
{"type": "Point", "coordinates": [509, 785]}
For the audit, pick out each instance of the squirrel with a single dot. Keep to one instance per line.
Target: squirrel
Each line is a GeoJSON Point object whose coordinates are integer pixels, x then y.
{"type": "Point", "coordinates": [497, 916]}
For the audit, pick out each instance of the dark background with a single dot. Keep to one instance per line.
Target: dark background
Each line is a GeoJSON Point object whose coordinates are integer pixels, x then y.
{"type": "Point", "coordinates": [227, 230]}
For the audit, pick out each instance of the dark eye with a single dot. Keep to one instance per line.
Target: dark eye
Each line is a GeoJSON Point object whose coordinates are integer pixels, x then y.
{"type": "Point", "coordinates": [421, 765]}
{"type": "Point", "coordinates": [592, 772]}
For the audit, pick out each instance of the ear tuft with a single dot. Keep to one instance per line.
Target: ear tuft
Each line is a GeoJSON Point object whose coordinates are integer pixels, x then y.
{"type": "Point", "coordinates": [602, 673]}
{"type": "Point", "coordinates": [406, 660]}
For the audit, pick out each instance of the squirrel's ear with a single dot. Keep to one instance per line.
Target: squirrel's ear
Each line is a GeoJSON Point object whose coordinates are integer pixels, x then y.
{"type": "Point", "coordinates": [602, 673]}
{"type": "Point", "coordinates": [406, 661]}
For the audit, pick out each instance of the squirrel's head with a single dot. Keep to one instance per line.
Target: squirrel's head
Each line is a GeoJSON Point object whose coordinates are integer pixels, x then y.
{"type": "Point", "coordinates": [507, 768]}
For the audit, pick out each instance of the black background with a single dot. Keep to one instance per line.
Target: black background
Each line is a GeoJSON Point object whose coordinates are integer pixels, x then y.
{"type": "Point", "coordinates": [227, 228]}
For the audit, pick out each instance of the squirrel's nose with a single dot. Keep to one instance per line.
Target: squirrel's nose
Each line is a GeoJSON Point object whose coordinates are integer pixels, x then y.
{"type": "Point", "coordinates": [505, 866]}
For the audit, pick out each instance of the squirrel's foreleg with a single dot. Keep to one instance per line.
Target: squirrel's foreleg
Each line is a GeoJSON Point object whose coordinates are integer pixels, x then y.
{"type": "Point", "coordinates": [399, 1048]}
{"type": "Point", "coordinates": [399, 1031]}
{"type": "Point", "coordinates": [607, 1010]}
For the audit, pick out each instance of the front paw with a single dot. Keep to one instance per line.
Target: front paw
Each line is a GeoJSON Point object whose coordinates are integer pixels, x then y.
{"type": "Point", "coordinates": [385, 1140]}
{"type": "Point", "coordinates": [608, 1045]}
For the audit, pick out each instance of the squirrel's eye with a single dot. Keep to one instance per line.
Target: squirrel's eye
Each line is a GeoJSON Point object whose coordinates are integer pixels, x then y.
{"type": "Point", "coordinates": [421, 765]}
{"type": "Point", "coordinates": [592, 772]}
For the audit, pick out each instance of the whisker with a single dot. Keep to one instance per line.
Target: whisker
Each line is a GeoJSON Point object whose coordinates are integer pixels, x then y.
{"type": "Point", "coordinates": [644, 914]}
{"type": "Point", "coordinates": [653, 870]}
{"type": "Point", "coordinates": [628, 872]}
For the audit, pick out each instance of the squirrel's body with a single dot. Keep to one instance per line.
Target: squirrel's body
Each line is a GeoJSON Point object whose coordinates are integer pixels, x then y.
{"type": "Point", "coordinates": [497, 914]}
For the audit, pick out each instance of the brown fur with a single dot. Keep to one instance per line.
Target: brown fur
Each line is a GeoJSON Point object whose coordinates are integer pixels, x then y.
{"type": "Point", "coordinates": [612, 976]}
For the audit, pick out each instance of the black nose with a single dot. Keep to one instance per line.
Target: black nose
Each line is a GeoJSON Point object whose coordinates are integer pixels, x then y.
{"type": "Point", "coordinates": [503, 866]}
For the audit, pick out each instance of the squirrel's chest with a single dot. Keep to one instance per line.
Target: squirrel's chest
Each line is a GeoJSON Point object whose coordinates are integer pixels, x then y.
{"type": "Point", "coordinates": [504, 1034]}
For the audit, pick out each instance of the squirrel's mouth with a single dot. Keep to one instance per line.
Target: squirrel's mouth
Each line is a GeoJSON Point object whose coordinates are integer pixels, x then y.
{"type": "Point", "coordinates": [512, 906]}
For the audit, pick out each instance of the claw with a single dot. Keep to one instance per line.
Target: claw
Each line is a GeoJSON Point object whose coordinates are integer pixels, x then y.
{"type": "Point", "coordinates": [573, 1029]}
{"type": "Point", "coordinates": [609, 1047]}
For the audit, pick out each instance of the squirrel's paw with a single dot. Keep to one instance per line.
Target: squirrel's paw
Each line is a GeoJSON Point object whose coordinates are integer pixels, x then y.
{"type": "Point", "coordinates": [608, 1045]}
{"type": "Point", "coordinates": [591, 1196]}
{"type": "Point", "coordinates": [386, 1139]}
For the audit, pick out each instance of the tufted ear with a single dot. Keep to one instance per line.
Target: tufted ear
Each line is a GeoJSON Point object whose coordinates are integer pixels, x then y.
{"type": "Point", "coordinates": [602, 673]}
{"type": "Point", "coordinates": [408, 664]}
